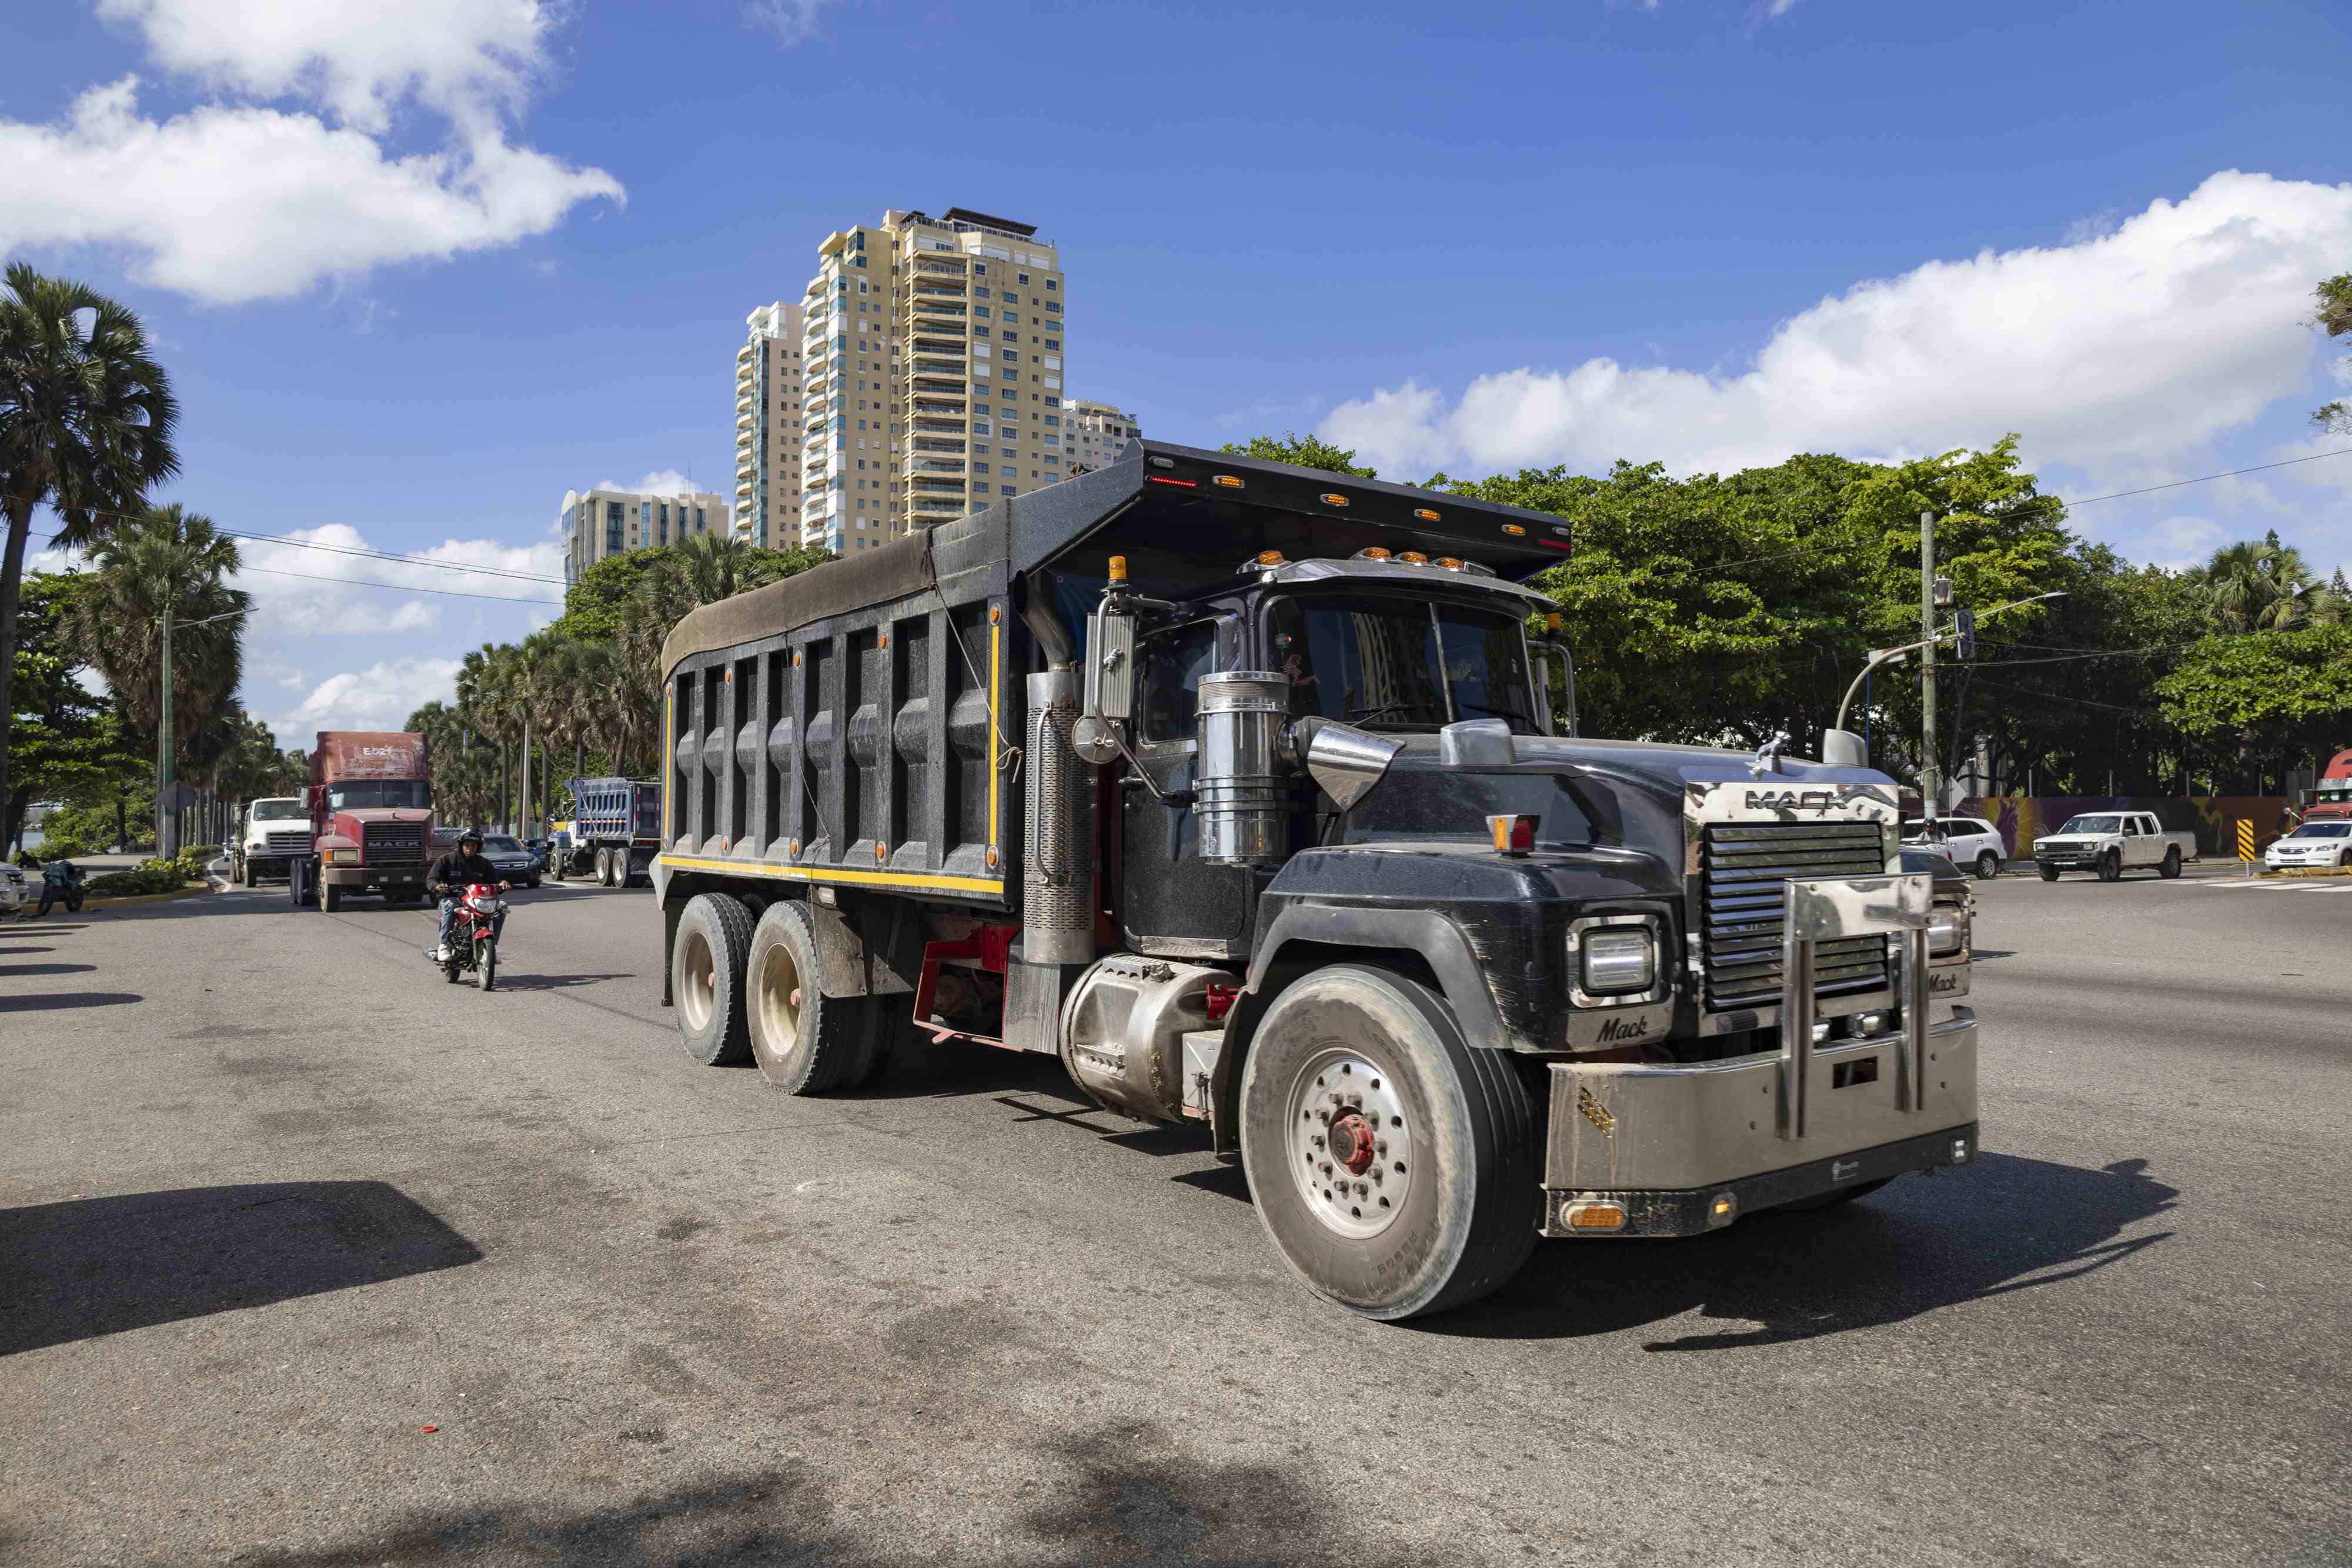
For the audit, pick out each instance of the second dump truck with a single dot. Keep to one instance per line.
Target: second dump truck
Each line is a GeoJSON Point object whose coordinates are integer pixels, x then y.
{"type": "Point", "coordinates": [1253, 793]}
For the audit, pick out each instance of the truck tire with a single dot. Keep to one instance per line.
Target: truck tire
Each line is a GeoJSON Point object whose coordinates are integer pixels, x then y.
{"type": "Point", "coordinates": [1988, 866]}
{"type": "Point", "coordinates": [605, 868]}
{"type": "Point", "coordinates": [2171, 866]}
{"type": "Point", "coordinates": [707, 968]}
{"type": "Point", "coordinates": [804, 1041]}
{"type": "Point", "coordinates": [2111, 866]}
{"type": "Point", "coordinates": [2050, 873]}
{"type": "Point", "coordinates": [1350, 1055]}
{"type": "Point", "coordinates": [331, 897]}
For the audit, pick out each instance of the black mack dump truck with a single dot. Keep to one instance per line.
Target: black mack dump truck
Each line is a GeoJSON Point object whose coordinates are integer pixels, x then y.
{"type": "Point", "coordinates": [1240, 787]}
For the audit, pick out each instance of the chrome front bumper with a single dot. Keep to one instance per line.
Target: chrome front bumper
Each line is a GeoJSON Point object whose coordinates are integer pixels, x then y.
{"type": "Point", "coordinates": [1685, 1148]}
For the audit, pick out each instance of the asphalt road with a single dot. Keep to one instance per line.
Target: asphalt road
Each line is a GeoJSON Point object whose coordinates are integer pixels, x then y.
{"type": "Point", "coordinates": [307, 1258]}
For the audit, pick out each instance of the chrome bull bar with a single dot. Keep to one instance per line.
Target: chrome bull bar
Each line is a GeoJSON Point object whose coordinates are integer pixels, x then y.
{"type": "Point", "coordinates": [1826, 909]}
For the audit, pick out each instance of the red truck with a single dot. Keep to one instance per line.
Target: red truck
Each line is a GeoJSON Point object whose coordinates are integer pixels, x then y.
{"type": "Point", "coordinates": [2332, 800]}
{"type": "Point", "coordinates": [371, 801]}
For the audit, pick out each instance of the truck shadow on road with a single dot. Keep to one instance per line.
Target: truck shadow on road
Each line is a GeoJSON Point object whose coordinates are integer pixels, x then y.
{"type": "Point", "coordinates": [88, 1266]}
{"type": "Point", "coordinates": [2002, 1225]}
{"type": "Point", "coordinates": [59, 1001]}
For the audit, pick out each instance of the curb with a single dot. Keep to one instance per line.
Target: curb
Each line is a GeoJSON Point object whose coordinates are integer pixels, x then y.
{"type": "Point", "coordinates": [130, 900]}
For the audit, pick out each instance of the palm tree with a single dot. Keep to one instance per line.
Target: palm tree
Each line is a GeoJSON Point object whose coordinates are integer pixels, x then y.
{"type": "Point", "coordinates": [713, 566]}
{"type": "Point", "coordinates": [85, 422]}
{"type": "Point", "coordinates": [2254, 586]}
{"type": "Point", "coordinates": [176, 558]}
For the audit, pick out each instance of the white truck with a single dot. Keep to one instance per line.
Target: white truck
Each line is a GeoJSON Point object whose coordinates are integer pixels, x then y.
{"type": "Point", "coordinates": [2111, 843]}
{"type": "Point", "coordinates": [272, 835]}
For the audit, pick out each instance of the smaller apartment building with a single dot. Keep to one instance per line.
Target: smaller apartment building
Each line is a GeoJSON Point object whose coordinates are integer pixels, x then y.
{"type": "Point", "coordinates": [598, 523]}
{"type": "Point", "coordinates": [768, 430]}
{"type": "Point", "coordinates": [1097, 432]}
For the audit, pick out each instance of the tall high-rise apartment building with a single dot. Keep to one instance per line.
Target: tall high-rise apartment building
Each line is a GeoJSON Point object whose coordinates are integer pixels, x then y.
{"type": "Point", "coordinates": [598, 523]}
{"type": "Point", "coordinates": [768, 431]}
{"type": "Point", "coordinates": [1094, 433]}
{"type": "Point", "coordinates": [933, 377]}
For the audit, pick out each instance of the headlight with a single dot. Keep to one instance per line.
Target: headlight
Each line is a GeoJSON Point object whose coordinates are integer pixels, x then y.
{"type": "Point", "coordinates": [1620, 960]}
{"type": "Point", "coordinates": [1948, 928]}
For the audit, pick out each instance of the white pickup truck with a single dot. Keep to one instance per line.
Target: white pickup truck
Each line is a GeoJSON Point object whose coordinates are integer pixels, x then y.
{"type": "Point", "coordinates": [272, 835]}
{"type": "Point", "coordinates": [2111, 843]}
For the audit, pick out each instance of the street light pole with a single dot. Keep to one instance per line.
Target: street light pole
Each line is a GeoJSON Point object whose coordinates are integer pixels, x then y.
{"type": "Point", "coordinates": [1928, 782]}
{"type": "Point", "coordinates": [167, 822]}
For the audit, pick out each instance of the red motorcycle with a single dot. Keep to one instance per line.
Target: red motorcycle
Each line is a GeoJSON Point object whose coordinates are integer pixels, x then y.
{"type": "Point", "coordinates": [472, 936]}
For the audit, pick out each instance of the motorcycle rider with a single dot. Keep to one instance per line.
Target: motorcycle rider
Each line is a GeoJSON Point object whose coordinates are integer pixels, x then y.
{"type": "Point", "coordinates": [454, 873]}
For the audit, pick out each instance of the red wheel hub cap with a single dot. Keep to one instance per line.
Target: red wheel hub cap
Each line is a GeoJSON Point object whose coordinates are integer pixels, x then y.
{"type": "Point", "coordinates": [1351, 1141]}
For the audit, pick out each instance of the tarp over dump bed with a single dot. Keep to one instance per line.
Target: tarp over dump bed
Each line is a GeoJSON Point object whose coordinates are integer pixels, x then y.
{"type": "Point", "coordinates": [1186, 516]}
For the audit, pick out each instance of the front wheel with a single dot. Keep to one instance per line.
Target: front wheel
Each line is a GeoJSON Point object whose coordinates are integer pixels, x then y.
{"type": "Point", "coordinates": [1988, 866]}
{"type": "Point", "coordinates": [2050, 873]}
{"type": "Point", "coordinates": [1394, 1164]}
{"type": "Point", "coordinates": [2111, 866]}
{"type": "Point", "coordinates": [486, 963]}
{"type": "Point", "coordinates": [331, 897]}
{"type": "Point", "coordinates": [2171, 866]}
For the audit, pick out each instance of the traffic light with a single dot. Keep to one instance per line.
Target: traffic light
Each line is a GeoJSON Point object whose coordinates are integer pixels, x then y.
{"type": "Point", "coordinates": [1964, 621]}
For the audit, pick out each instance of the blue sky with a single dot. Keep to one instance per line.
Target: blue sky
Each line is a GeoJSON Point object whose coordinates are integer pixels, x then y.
{"type": "Point", "coordinates": [415, 279]}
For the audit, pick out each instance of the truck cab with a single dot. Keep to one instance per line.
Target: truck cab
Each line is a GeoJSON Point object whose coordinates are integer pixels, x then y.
{"type": "Point", "coordinates": [1255, 794]}
{"type": "Point", "coordinates": [371, 804]}
{"type": "Point", "coordinates": [272, 834]}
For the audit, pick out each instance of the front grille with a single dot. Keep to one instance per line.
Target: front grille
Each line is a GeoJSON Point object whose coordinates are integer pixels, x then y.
{"type": "Point", "coordinates": [392, 844]}
{"type": "Point", "coordinates": [1742, 866]}
{"type": "Point", "coordinates": [287, 843]}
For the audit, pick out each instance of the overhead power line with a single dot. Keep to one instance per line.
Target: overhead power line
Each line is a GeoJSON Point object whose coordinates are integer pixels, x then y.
{"type": "Point", "coordinates": [357, 551]}
{"type": "Point", "coordinates": [2205, 479]}
{"type": "Point", "coordinates": [399, 587]}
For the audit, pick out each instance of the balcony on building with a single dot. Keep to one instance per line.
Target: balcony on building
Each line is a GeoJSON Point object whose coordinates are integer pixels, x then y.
{"type": "Point", "coordinates": [932, 384]}
{"type": "Point", "coordinates": [953, 445]}
{"type": "Point", "coordinates": [935, 465]}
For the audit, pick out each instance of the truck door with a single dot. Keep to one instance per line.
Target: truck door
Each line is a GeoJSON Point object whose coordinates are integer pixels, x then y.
{"type": "Point", "coordinates": [2137, 841]}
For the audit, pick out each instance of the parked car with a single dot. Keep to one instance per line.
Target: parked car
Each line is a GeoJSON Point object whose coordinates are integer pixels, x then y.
{"type": "Point", "coordinates": [1970, 841]}
{"type": "Point", "coordinates": [2111, 843]}
{"type": "Point", "coordinates": [2319, 842]}
{"type": "Point", "coordinates": [515, 864]}
{"type": "Point", "coordinates": [17, 891]}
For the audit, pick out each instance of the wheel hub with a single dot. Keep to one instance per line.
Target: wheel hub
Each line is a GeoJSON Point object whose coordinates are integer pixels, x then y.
{"type": "Point", "coordinates": [1351, 1141]}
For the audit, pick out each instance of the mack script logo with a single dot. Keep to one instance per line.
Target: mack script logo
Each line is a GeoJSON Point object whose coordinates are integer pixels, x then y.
{"type": "Point", "coordinates": [1614, 1030]}
{"type": "Point", "coordinates": [1822, 801]}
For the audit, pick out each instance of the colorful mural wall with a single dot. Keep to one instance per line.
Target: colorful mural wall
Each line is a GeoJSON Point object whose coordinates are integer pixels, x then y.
{"type": "Point", "coordinates": [2022, 819]}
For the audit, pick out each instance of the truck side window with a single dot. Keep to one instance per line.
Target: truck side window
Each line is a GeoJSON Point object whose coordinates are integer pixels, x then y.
{"type": "Point", "coordinates": [2131, 827]}
{"type": "Point", "coordinates": [1173, 662]}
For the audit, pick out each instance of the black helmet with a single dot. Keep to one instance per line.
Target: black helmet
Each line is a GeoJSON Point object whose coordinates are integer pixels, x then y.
{"type": "Point", "coordinates": [470, 836]}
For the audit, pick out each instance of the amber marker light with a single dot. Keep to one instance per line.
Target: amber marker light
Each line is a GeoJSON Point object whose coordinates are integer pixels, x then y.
{"type": "Point", "coordinates": [1227, 482]}
{"type": "Point", "coordinates": [1596, 1216]}
{"type": "Point", "coordinates": [1449, 563]}
{"type": "Point", "coordinates": [1414, 558]}
{"type": "Point", "coordinates": [1119, 569]}
{"type": "Point", "coordinates": [1270, 558]}
{"type": "Point", "coordinates": [1375, 553]}
{"type": "Point", "coordinates": [1333, 499]}
{"type": "Point", "coordinates": [1424, 514]}
{"type": "Point", "coordinates": [1514, 530]}
{"type": "Point", "coordinates": [1513, 835]}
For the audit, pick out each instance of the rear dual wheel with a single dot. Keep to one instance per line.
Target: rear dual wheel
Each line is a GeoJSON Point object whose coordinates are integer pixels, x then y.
{"type": "Point", "coordinates": [805, 1041]}
{"type": "Point", "coordinates": [1394, 1165]}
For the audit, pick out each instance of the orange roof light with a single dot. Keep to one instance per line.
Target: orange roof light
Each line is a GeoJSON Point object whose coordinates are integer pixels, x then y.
{"type": "Point", "coordinates": [1375, 553]}
{"type": "Point", "coordinates": [1424, 514]}
{"type": "Point", "coordinates": [1414, 558]}
{"type": "Point", "coordinates": [1269, 558]}
{"type": "Point", "coordinates": [1449, 563]}
{"type": "Point", "coordinates": [1333, 499]}
{"type": "Point", "coordinates": [1118, 572]}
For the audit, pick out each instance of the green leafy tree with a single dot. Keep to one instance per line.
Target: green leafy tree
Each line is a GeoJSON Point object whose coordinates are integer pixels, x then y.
{"type": "Point", "coordinates": [1301, 452]}
{"type": "Point", "coordinates": [2334, 317]}
{"type": "Point", "coordinates": [2273, 700]}
{"type": "Point", "coordinates": [85, 422]}
{"type": "Point", "coordinates": [67, 744]}
{"type": "Point", "coordinates": [2255, 585]}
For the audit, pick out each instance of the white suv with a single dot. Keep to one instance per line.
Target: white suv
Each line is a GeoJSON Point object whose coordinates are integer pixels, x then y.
{"type": "Point", "coordinates": [1970, 842]}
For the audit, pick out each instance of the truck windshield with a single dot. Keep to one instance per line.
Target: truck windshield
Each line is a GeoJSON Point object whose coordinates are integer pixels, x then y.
{"type": "Point", "coordinates": [279, 812]}
{"type": "Point", "coordinates": [1400, 663]}
{"type": "Point", "coordinates": [2093, 825]}
{"type": "Point", "coordinates": [360, 794]}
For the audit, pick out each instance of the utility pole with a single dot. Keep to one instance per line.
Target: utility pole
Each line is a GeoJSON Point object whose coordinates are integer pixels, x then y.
{"type": "Point", "coordinates": [1929, 789]}
{"type": "Point", "coordinates": [167, 822]}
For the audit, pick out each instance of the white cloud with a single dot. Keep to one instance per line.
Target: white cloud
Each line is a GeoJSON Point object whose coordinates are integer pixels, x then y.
{"type": "Point", "coordinates": [660, 481]}
{"type": "Point", "coordinates": [291, 600]}
{"type": "Point", "coordinates": [235, 200]}
{"type": "Point", "coordinates": [792, 21]}
{"type": "Point", "coordinates": [380, 696]}
{"type": "Point", "coordinates": [2130, 347]}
